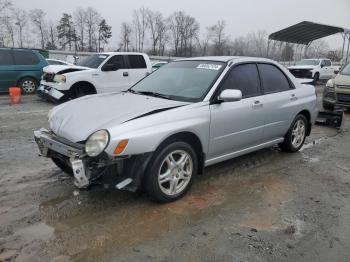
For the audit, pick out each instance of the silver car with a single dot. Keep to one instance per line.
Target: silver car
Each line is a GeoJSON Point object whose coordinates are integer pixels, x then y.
{"type": "Point", "coordinates": [189, 114]}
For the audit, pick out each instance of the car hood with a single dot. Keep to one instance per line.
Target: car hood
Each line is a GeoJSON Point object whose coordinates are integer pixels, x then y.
{"type": "Point", "coordinates": [55, 69]}
{"type": "Point", "coordinates": [343, 80]}
{"type": "Point", "coordinates": [302, 67]}
{"type": "Point", "coordinates": [79, 118]}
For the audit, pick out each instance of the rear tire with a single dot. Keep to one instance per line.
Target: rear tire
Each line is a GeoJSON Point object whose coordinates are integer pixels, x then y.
{"type": "Point", "coordinates": [28, 85]}
{"type": "Point", "coordinates": [316, 78]}
{"type": "Point", "coordinates": [295, 137]}
{"type": "Point", "coordinates": [81, 90]}
{"type": "Point", "coordinates": [171, 171]}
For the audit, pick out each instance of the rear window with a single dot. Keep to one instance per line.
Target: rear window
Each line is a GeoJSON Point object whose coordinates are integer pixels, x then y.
{"type": "Point", "coordinates": [25, 57]}
{"type": "Point", "coordinates": [137, 61]}
{"type": "Point", "coordinates": [273, 79]}
{"type": "Point", "coordinates": [6, 57]}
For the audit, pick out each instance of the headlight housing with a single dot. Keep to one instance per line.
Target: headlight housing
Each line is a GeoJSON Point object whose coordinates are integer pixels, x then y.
{"type": "Point", "coordinates": [59, 78]}
{"type": "Point", "coordinates": [97, 143]}
{"type": "Point", "coordinates": [330, 83]}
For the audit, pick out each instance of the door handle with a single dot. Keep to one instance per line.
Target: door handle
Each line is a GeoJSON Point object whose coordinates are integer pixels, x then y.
{"type": "Point", "coordinates": [125, 74]}
{"type": "Point", "coordinates": [257, 104]}
{"type": "Point", "coordinates": [294, 97]}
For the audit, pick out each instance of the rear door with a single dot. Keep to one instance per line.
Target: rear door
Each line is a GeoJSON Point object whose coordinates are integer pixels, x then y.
{"type": "Point", "coordinates": [116, 80]}
{"type": "Point", "coordinates": [238, 125]}
{"type": "Point", "coordinates": [279, 99]}
{"type": "Point", "coordinates": [27, 64]}
{"type": "Point", "coordinates": [137, 68]}
{"type": "Point", "coordinates": [7, 70]}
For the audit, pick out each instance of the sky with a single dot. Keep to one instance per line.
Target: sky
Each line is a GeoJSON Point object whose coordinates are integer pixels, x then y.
{"type": "Point", "coordinates": [241, 16]}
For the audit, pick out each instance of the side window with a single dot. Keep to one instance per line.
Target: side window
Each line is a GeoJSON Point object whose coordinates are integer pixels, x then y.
{"type": "Point", "coordinates": [25, 57]}
{"type": "Point", "coordinates": [272, 78]}
{"type": "Point", "coordinates": [117, 60]}
{"type": "Point", "coordinates": [136, 61]}
{"type": "Point", "coordinates": [244, 77]}
{"type": "Point", "coordinates": [6, 57]}
{"type": "Point", "coordinates": [327, 63]}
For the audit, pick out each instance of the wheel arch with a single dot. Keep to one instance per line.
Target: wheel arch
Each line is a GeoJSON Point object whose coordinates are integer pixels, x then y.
{"type": "Point", "coordinates": [84, 83]}
{"type": "Point", "coordinates": [193, 140]}
{"type": "Point", "coordinates": [20, 78]}
{"type": "Point", "coordinates": [307, 114]}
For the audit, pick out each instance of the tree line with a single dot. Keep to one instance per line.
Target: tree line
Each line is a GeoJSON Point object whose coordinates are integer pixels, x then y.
{"type": "Point", "coordinates": [178, 34]}
{"type": "Point", "coordinates": [83, 30]}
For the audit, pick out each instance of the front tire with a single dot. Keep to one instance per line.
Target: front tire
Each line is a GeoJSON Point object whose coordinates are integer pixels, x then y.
{"type": "Point", "coordinates": [295, 137]}
{"type": "Point", "coordinates": [171, 172]}
{"type": "Point", "coordinates": [328, 106]}
{"type": "Point", "coordinates": [316, 78]}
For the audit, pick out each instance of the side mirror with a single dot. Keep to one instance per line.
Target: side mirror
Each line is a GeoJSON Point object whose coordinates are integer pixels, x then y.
{"type": "Point", "coordinates": [336, 72]}
{"type": "Point", "coordinates": [109, 67]}
{"type": "Point", "coordinates": [230, 95]}
{"type": "Point", "coordinates": [322, 66]}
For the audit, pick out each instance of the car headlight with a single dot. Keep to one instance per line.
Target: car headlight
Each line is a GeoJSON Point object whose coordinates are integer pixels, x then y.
{"type": "Point", "coordinates": [330, 83]}
{"type": "Point", "coordinates": [59, 78]}
{"type": "Point", "coordinates": [96, 143]}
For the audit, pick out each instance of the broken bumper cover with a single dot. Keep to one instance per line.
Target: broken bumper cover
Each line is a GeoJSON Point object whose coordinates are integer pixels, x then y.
{"type": "Point", "coordinates": [115, 172]}
{"type": "Point", "coordinates": [50, 93]}
{"type": "Point", "coordinates": [48, 144]}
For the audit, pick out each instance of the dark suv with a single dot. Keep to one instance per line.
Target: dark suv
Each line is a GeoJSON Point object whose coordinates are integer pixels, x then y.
{"type": "Point", "coordinates": [22, 68]}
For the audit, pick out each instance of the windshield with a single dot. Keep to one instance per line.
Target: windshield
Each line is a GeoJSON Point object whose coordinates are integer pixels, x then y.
{"type": "Point", "coordinates": [313, 62]}
{"type": "Point", "coordinates": [183, 80]}
{"type": "Point", "coordinates": [346, 70]}
{"type": "Point", "coordinates": [93, 61]}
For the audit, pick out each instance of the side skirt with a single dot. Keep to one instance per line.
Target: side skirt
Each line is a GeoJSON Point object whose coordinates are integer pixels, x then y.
{"type": "Point", "coordinates": [242, 152]}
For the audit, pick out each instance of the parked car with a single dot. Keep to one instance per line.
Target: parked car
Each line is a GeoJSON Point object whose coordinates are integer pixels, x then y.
{"type": "Point", "coordinates": [316, 69]}
{"type": "Point", "coordinates": [158, 64]}
{"type": "Point", "coordinates": [57, 62]}
{"type": "Point", "coordinates": [337, 90]}
{"type": "Point", "coordinates": [98, 73]}
{"type": "Point", "coordinates": [164, 130]}
{"type": "Point", "coordinates": [22, 68]}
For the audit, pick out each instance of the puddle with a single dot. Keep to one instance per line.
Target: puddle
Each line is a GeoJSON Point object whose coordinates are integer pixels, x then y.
{"type": "Point", "coordinates": [39, 231]}
{"type": "Point", "coordinates": [312, 144]}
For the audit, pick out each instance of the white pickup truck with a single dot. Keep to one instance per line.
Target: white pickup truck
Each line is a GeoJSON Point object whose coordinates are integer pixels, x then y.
{"type": "Point", "coordinates": [315, 69]}
{"type": "Point", "coordinates": [98, 73]}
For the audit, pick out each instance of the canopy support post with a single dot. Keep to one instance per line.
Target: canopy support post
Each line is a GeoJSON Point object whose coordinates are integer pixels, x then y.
{"type": "Point", "coordinates": [347, 52]}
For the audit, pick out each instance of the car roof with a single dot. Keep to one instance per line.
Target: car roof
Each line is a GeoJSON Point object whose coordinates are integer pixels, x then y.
{"type": "Point", "coordinates": [121, 53]}
{"type": "Point", "coordinates": [227, 59]}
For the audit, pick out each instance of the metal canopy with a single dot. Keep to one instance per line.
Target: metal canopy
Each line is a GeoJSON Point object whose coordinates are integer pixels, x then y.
{"type": "Point", "coordinates": [305, 32]}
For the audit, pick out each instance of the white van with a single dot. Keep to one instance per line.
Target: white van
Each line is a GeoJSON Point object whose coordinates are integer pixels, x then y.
{"type": "Point", "coordinates": [98, 73]}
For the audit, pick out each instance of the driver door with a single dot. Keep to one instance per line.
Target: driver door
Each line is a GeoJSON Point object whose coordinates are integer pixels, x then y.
{"type": "Point", "coordinates": [114, 75]}
{"type": "Point", "coordinates": [238, 125]}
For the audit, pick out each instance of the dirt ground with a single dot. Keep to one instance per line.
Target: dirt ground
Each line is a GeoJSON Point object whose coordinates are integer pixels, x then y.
{"type": "Point", "coordinates": [265, 206]}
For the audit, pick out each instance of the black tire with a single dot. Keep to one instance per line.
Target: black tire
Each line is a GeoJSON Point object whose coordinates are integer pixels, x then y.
{"type": "Point", "coordinates": [328, 106]}
{"type": "Point", "coordinates": [151, 184]}
{"type": "Point", "coordinates": [28, 85]}
{"type": "Point", "coordinates": [62, 165]}
{"type": "Point", "coordinates": [287, 145]}
{"type": "Point", "coordinates": [316, 78]}
{"type": "Point", "coordinates": [81, 90]}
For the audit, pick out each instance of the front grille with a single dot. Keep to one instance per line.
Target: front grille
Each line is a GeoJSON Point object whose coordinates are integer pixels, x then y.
{"type": "Point", "coordinates": [48, 77]}
{"type": "Point", "coordinates": [343, 86]}
{"type": "Point", "coordinates": [301, 73]}
{"type": "Point", "coordinates": [343, 98]}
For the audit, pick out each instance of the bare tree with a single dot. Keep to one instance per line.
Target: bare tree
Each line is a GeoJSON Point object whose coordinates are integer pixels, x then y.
{"type": "Point", "coordinates": [21, 19]}
{"type": "Point", "coordinates": [317, 49]}
{"type": "Point", "coordinates": [125, 36]}
{"type": "Point", "coordinates": [140, 27]}
{"type": "Point", "coordinates": [175, 22]}
{"type": "Point", "coordinates": [38, 19]}
{"type": "Point", "coordinates": [9, 24]}
{"type": "Point", "coordinates": [5, 5]}
{"type": "Point", "coordinates": [92, 21]}
{"type": "Point", "coordinates": [80, 23]}
{"type": "Point", "coordinates": [218, 37]}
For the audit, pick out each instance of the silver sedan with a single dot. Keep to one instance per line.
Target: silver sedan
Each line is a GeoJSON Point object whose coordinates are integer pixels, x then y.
{"type": "Point", "coordinates": [167, 128]}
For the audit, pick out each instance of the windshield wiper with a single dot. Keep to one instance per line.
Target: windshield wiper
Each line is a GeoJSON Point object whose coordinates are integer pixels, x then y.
{"type": "Point", "coordinates": [150, 93]}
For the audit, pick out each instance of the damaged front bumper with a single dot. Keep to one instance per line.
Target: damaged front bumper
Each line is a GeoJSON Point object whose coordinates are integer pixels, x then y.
{"type": "Point", "coordinates": [50, 93]}
{"type": "Point", "coordinates": [113, 172]}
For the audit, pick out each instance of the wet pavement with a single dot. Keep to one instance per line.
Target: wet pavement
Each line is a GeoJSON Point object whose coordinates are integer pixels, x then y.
{"type": "Point", "coordinates": [265, 206]}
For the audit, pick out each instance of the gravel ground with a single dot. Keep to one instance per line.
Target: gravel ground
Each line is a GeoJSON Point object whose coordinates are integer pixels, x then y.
{"type": "Point", "coordinates": [265, 206]}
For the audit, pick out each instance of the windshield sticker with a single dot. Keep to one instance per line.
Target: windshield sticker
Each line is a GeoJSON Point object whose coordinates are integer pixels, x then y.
{"type": "Point", "coordinates": [209, 66]}
{"type": "Point", "coordinates": [102, 56]}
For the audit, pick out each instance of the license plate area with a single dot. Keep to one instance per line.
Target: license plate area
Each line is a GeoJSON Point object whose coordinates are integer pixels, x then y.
{"type": "Point", "coordinates": [81, 180]}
